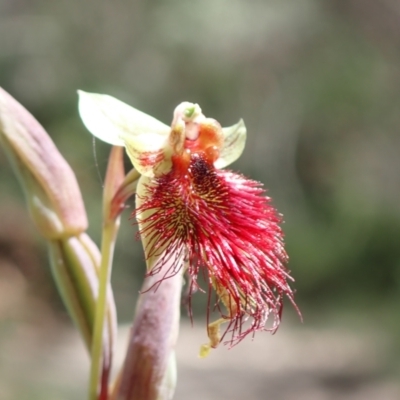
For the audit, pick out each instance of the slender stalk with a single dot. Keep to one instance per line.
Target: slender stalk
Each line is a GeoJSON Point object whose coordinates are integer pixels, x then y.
{"type": "Point", "coordinates": [110, 230]}
{"type": "Point", "coordinates": [101, 344]}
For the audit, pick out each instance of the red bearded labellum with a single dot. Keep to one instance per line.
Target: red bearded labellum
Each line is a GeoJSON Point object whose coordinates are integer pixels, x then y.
{"type": "Point", "coordinates": [226, 228]}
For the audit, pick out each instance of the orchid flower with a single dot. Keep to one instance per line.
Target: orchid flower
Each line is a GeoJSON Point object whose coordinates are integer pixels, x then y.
{"type": "Point", "coordinates": [198, 218]}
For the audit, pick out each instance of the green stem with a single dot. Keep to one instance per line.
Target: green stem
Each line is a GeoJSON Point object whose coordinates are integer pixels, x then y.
{"type": "Point", "coordinates": [109, 233]}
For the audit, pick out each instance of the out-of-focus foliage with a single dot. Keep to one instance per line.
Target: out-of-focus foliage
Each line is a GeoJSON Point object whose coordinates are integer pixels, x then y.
{"type": "Point", "coordinates": [317, 83]}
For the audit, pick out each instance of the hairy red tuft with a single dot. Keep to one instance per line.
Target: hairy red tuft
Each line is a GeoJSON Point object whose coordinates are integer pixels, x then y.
{"type": "Point", "coordinates": [225, 226]}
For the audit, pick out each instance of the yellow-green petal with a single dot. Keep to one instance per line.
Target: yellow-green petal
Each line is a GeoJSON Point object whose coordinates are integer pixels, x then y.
{"type": "Point", "coordinates": [234, 142]}
{"type": "Point", "coordinates": [119, 124]}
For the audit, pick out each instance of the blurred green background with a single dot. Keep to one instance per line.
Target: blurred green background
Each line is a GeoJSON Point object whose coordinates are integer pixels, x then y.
{"type": "Point", "coordinates": [318, 85]}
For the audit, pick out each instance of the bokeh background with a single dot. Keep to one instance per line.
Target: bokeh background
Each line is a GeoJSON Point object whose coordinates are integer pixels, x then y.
{"type": "Point", "coordinates": [318, 85]}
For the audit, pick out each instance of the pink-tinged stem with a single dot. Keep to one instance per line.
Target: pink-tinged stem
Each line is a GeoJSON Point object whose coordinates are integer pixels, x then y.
{"type": "Point", "coordinates": [152, 341]}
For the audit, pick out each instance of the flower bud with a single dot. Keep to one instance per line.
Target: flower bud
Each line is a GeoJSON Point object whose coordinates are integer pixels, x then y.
{"type": "Point", "coordinates": [51, 190]}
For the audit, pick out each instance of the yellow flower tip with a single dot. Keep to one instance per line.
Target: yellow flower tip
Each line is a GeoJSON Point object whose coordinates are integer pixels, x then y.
{"type": "Point", "coordinates": [205, 350]}
{"type": "Point", "coordinates": [214, 335]}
